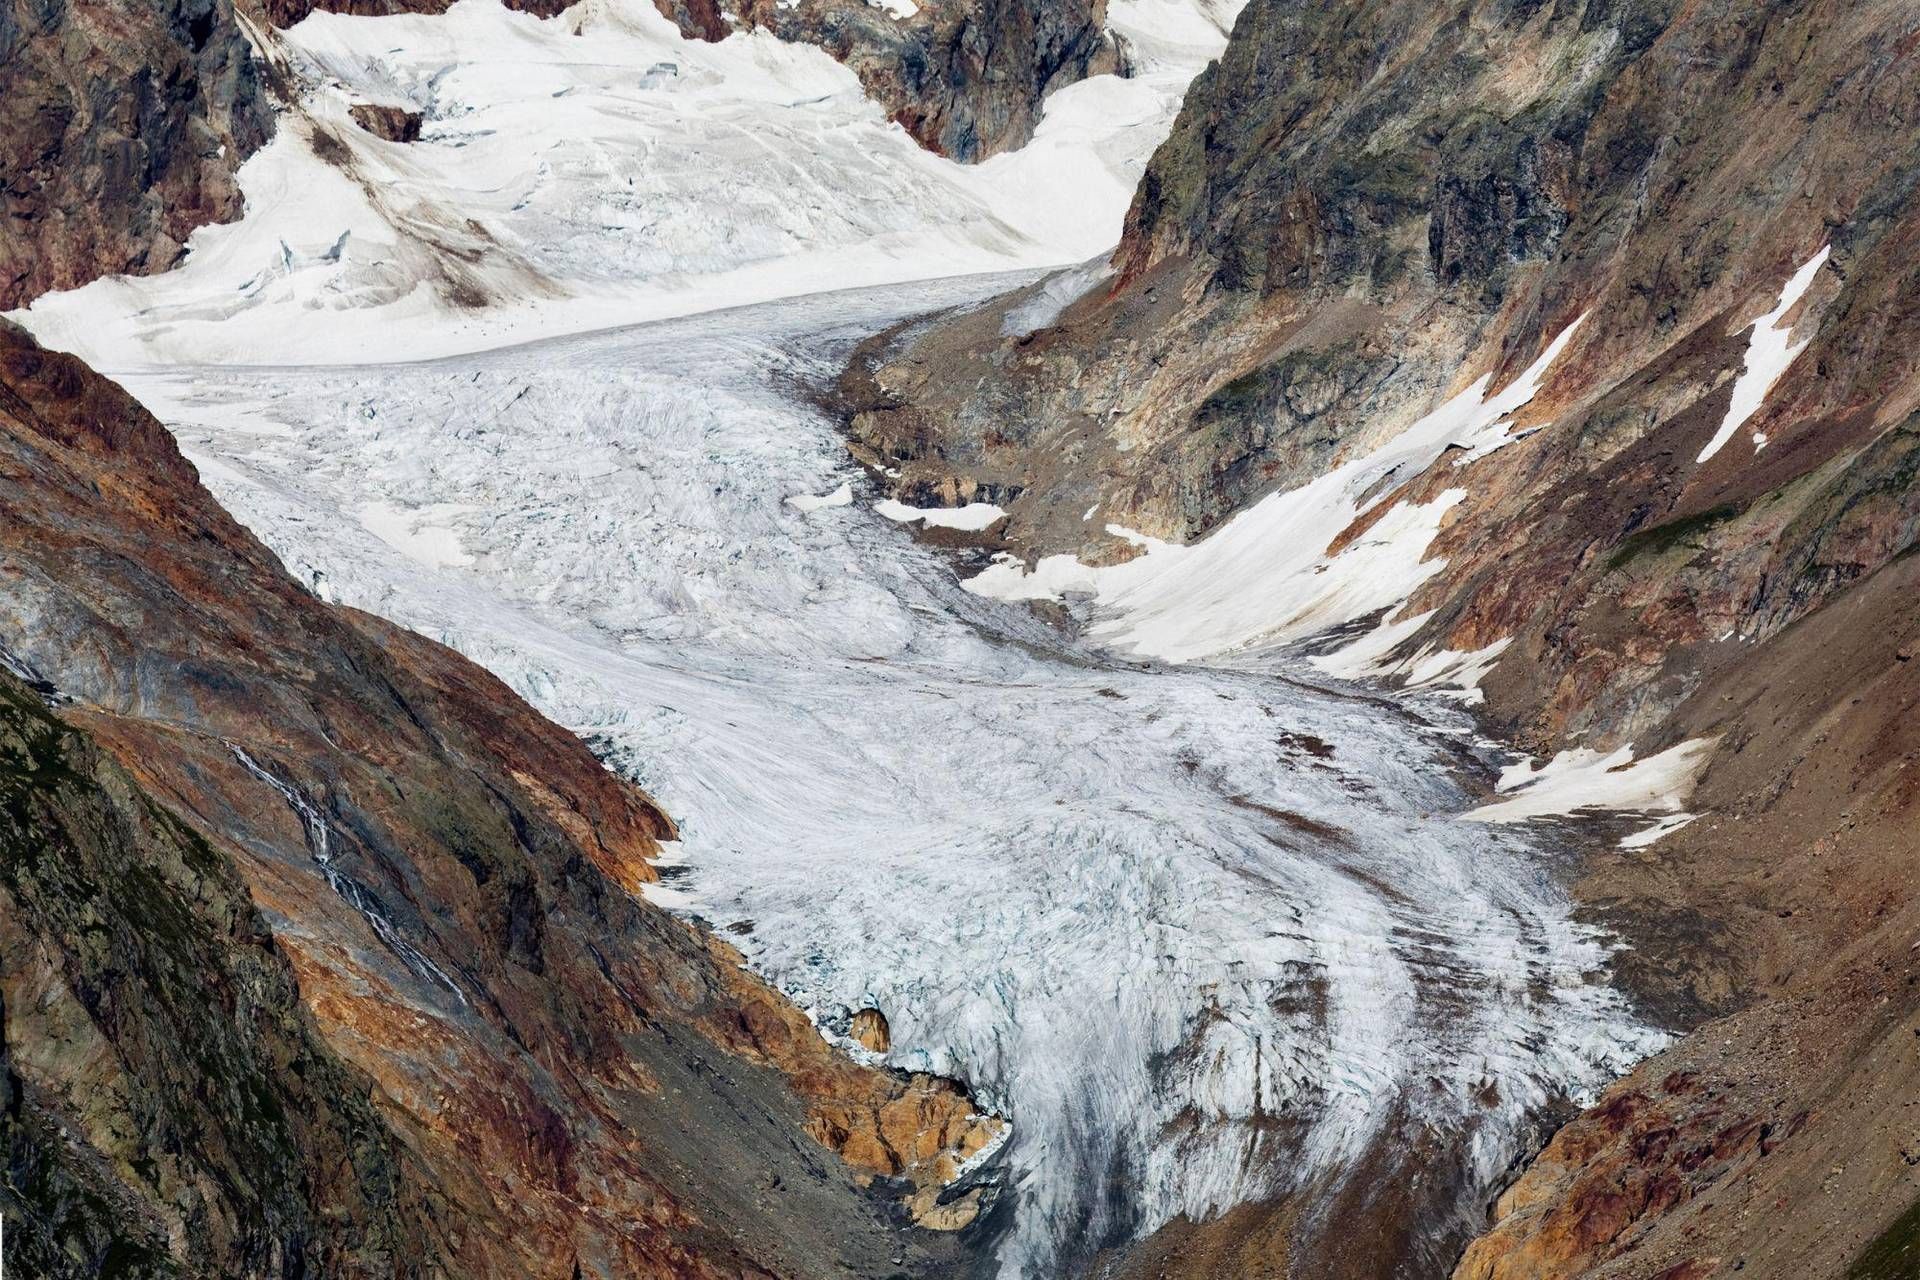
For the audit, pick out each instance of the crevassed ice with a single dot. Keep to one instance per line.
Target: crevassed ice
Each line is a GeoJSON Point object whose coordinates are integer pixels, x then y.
{"type": "Point", "coordinates": [1145, 911]}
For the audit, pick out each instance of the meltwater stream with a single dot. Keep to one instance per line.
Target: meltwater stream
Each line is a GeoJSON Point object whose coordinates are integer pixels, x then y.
{"type": "Point", "coordinates": [1203, 934]}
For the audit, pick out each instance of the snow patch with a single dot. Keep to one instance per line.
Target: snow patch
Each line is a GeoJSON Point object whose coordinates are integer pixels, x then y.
{"type": "Point", "coordinates": [807, 503]}
{"type": "Point", "coordinates": [1449, 672]}
{"type": "Point", "coordinates": [1658, 831]}
{"type": "Point", "coordinates": [1771, 351]}
{"type": "Point", "coordinates": [1265, 577]}
{"type": "Point", "coordinates": [975, 517]}
{"type": "Point", "coordinates": [1582, 778]}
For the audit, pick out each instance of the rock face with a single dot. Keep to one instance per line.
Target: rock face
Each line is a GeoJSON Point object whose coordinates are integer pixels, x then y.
{"type": "Point", "coordinates": [871, 1030]}
{"type": "Point", "coordinates": [965, 79]}
{"type": "Point", "coordinates": [333, 908]}
{"type": "Point", "coordinates": [120, 130]}
{"type": "Point", "coordinates": [1364, 209]}
{"type": "Point", "coordinates": [395, 124]}
{"type": "Point", "coordinates": [166, 1095]}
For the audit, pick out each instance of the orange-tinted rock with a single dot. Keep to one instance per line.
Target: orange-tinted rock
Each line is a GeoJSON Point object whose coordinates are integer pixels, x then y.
{"type": "Point", "coordinates": [870, 1030]}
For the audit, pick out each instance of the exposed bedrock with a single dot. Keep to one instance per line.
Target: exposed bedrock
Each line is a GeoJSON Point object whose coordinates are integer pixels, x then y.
{"type": "Point", "coordinates": [120, 130]}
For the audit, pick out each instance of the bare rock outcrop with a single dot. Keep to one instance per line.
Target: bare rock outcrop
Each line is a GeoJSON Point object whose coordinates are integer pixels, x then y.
{"type": "Point", "coordinates": [120, 130]}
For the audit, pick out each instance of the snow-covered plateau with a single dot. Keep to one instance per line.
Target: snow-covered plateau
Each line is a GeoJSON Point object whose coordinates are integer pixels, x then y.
{"type": "Point", "coordinates": [1203, 932]}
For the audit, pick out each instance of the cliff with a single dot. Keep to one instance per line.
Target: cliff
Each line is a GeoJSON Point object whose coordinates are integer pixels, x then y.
{"type": "Point", "coordinates": [119, 134]}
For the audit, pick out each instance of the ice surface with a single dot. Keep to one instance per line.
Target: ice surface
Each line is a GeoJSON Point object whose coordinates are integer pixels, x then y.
{"type": "Point", "coordinates": [596, 169]}
{"type": "Point", "coordinates": [1202, 933]}
{"type": "Point", "coordinates": [1771, 351]}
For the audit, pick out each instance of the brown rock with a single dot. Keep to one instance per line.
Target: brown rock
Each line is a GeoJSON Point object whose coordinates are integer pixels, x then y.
{"type": "Point", "coordinates": [870, 1030]}
{"type": "Point", "coordinates": [395, 124]}
{"type": "Point", "coordinates": [120, 130]}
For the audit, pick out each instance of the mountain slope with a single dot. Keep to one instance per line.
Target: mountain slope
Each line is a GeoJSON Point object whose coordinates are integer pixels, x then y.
{"type": "Point", "coordinates": [1551, 353]}
{"type": "Point", "coordinates": [119, 134]}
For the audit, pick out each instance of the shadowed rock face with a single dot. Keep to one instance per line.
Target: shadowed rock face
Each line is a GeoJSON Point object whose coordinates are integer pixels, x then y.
{"type": "Point", "coordinates": [965, 79]}
{"type": "Point", "coordinates": [1364, 208]}
{"type": "Point", "coordinates": [120, 130]}
{"type": "Point", "coordinates": [425, 892]}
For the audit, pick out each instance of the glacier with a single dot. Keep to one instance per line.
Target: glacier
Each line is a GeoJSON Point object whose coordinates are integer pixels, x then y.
{"type": "Point", "coordinates": [1145, 911]}
{"type": "Point", "coordinates": [541, 386]}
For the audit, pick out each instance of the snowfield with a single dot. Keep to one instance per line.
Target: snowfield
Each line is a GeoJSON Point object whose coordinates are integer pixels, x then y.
{"type": "Point", "coordinates": [1144, 910]}
{"type": "Point", "coordinates": [597, 169]}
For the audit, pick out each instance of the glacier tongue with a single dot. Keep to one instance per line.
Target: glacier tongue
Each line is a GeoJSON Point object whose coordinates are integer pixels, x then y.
{"type": "Point", "coordinates": [1202, 933]}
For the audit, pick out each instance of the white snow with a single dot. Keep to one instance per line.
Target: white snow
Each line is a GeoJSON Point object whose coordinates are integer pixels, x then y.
{"type": "Point", "coordinates": [1659, 831]}
{"type": "Point", "coordinates": [415, 533]}
{"type": "Point", "coordinates": [1449, 672]}
{"type": "Point", "coordinates": [901, 9]}
{"type": "Point", "coordinates": [808, 503]}
{"type": "Point", "coordinates": [1265, 577]}
{"type": "Point", "coordinates": [1771, 351]}
{"type": "Point", "coordinates": [973, 518]}
{"type": "Point", "coordinates": [1076, 883]}
{"type": "Point", "coordinates": [1582, 778]}
{"type": "Point", "coordinates": [1053, 296]}
{"type": "Point", "coordinates": [597, 169]}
